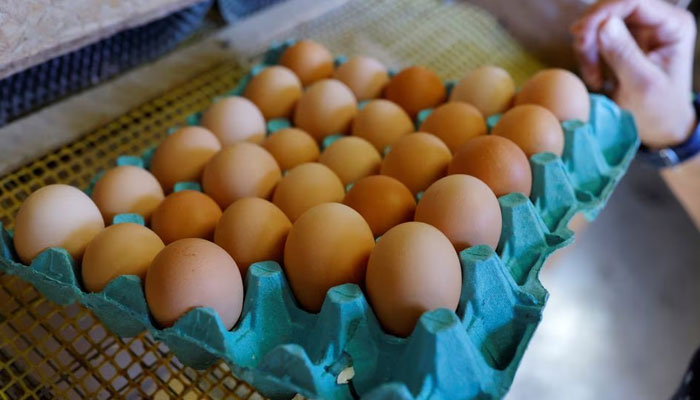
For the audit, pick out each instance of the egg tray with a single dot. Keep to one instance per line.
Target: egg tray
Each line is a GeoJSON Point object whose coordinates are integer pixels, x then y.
{"type": "Point", "coordinates": [469, 353]}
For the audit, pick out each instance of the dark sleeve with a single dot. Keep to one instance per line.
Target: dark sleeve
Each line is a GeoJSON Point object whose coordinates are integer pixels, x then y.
{"type": "Point", "coordinates": [690, 385]}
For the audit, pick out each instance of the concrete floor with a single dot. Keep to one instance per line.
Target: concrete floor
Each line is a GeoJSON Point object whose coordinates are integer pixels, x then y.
{"type": "Point", "coordinates": [623, 316]}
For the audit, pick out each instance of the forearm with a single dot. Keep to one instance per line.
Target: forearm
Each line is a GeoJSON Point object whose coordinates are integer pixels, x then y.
{"type": "Point", "coordinates": [684, 182]}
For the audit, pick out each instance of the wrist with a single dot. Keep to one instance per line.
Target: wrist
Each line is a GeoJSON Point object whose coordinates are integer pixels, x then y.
{"type": "Point", "coordinates": [684, 147]}
{"type": "Point", "coordinates": [679, 133]}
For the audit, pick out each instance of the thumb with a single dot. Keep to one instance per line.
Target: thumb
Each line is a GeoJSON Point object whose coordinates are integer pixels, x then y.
{"type": "Point", "coordinates": [622, 54]}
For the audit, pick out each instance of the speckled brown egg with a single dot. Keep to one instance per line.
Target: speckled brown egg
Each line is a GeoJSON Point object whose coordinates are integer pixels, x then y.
{"type": "Point", "coordinates": [186, 214]}
{"type": "Point", "coordinates": [382, 201]}
{"type": "Point", "coordinates": [455, 123]}
{"type": "Point", "coordinates": [351, 158]}
{"type": "Point", "coordinates": [291, 147]}
{"type": "Point", "coordinates": [56, 216]}
{"type": "Point", "coordinates": [275, 90]}
{"type": "Point", "coordinates": [235, 119]}
{"type": "Point", "coordinates": [559, 91]}
{"type": "Point", "coordinates": [127, 189]}
{"type": "Point", "coordinates": [412, 269]}
{"type": "Point", "coordinates": [365, 76]}
{"type": "Point", "coordinates": [240, 170]}
{"type": "Point", "coordinates": [495, 160]}
{"type": "Point", "coordinates": [327, 246]}
{"type": "Point", "coordinates": [191, 273]}
{"type": "Point", "coordinates": [309, 60]}
{"type": "Point", "coordinates": [305, 186]}
{"type": "Point", "coordinates": [382, 123]}
{"type": "Point", "coordinates": [464, 209]}
{"type": "Point", "coordinates": [252, 230]}
{"type": "Point", "coordinates": [488, 88]}
{"type": "Point", "coordinates": [181, 157]}
{"type": "Point", "coordinates": [327, 107]}
{"type": "Point", "coordinates": [533, 128]}
{"type": "Point", "coordinates": [415, 88]}
{"type": "Point", "coordinates": [121, 249]}
{"type": "Point", "coordinates": [417, 160]}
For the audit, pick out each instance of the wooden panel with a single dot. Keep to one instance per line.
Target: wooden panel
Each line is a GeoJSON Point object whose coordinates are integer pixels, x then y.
{"type": "Point", "coordinates": [33, 31]}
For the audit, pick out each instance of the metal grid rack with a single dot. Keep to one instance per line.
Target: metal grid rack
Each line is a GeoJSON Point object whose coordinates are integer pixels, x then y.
{"type": "Point", "coordinates": [48, 351]}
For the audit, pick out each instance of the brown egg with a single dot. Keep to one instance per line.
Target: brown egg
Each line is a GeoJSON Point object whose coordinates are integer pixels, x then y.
{"type": "Point", "coordinates": [558, 90]}
{"type": "Point", "coordinates": [252, 230]}
{"type": "Point", "coordinates": [351, 158]}
{"type": "Point", "coordinates": [181, 157]}
{"type": "Point", "coordinates": [488, 88]}
{"type": "Point", "coordinates": [186, 214]}
{"type": "Point", "coordinates": [497, 161]}
{"type": "Point", "coordinates": [191, 273]}
{"type": "Point", "coordinates": [455, 123]}
{"type": "Point", "coordinates": [240, 170]}
{"type": "Point", "coordinates": [305, 186]}
{"type": "Point", "coordinates": [56, 216]}
{"type": "Point", "coordinates": [382, 201]}
{"type": "Point", "coordinates": [382, 123]}
{"type": "Point", "coordinates": [415, 88]}
{"type": "Point", "coordinates": [417, 160]}
{"type": "Point", "coordinates": [327, 107]}
{"type": "Point", "coordinates": [291, 147]}
{"type": "Point", "coordinates": [326, 247]}
{"type": "Point", "coordinates": [121, 249]}
{"type": "Point", "coordinates": [235, 119]}
{"type": "Point", "coordinates": [533, 128]}
{"type": "Point", "coordinates": [309, 60]}
{"type": "Point", "coordinates": [365, 76]}
{"type": "Point", "coordinates": [275, 90]}
{"type": "Point", "coordinates": [464, 209]}
{"type": "Point", "coordinates": [127, 189]}
{"type": "Point", "coordinates": [412, 269]}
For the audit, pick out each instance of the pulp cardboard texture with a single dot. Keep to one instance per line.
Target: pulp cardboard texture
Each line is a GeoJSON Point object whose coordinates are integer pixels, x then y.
{"type": "Point", "coordinates": [469, 353]}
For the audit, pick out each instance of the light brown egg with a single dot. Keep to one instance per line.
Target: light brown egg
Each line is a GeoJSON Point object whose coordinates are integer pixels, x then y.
{"type": "Point", "coordinates": [275, 90]}
{"type": "Point", "coordinates": [495, 160]}
{"type": "Point", "coordinates": [127, 189]}
{"type": "Point", "coordinates": [558, 90]}
{"type": "Point", "coordinates": [309, 60]}
{"type": "Point", "coordinates": [56, 216]}
{"type": "Point", "coordinates": [305, 186]}
{"type": "Point", "coordinates": [121, 249]}
{"type": "Point", "coordinates": [417, 160]}
{"type": "Point", "coordinates": [455, 123]}
{"type": "Point", "coordinates": [382, 201]}
{"type": "Point", "coordinates": [240, 170]}
{"type": "Point", "coordinates": [412, 269]}
{"type": "Point", "coordinates": [186, 214]}
{"type": "Point", "coordinates": [351, 158]}
{"type": "Point", "coordinates": [181, 157]}
{"type": "Point", "coordinates": [365, 76]}
{"type": "Point", "coordinates": [327, 107]}
{"type": "Point", "coordinates": [533, 128]}
{"type": "Point", "coordinates": [415, 88]}
{"type": "Point", "coordinates": [291, 147]}
{"type": "Point", "coordinates": [327, 246]}
{"type": "Point", "coordinates": [252, 230]}
{"type": "Point", "coordinates": [382, 123]}
{"type": "Point", "coordinates": [464, 209]}
{"type": "Point", "coordinates": [235, 119]}
{"type": "Point", "coordinates": [191, 273]}
{"type": "Point", "coordinates": [488, 88]}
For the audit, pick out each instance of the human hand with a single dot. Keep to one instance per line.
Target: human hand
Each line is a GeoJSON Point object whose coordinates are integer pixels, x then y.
{"type": "Point", "coordinates": [648, 46]}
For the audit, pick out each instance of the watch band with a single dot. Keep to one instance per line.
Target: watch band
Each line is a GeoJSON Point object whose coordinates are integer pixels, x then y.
{"type": "Point", "coordinates": [675, 155]}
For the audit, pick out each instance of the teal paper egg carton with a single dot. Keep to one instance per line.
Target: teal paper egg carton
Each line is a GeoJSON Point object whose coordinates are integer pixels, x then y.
{"type": "Point", "coordinates": [470, 353]}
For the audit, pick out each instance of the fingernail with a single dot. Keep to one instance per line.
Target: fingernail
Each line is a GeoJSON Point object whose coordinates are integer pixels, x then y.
{"type": "Point", "coordinates": [612, 30]}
